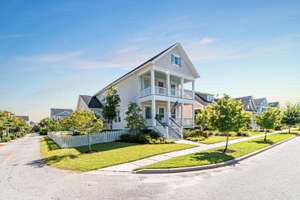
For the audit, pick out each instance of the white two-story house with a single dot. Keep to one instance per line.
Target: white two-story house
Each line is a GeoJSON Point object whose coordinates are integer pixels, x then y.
{"type": "Point", "coordinates": [164, 88]}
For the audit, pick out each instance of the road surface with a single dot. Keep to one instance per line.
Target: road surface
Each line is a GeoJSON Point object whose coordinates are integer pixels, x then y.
{"type": "Point", "coordinates": [272, 175]}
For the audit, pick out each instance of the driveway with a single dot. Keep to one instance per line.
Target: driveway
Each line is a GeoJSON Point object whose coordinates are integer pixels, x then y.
{"type": "Point", "coordinates": [273, 174]}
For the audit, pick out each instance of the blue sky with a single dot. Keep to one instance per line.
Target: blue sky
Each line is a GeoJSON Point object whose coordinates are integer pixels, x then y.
{"type": "Point", "coordinates": [52, 51]}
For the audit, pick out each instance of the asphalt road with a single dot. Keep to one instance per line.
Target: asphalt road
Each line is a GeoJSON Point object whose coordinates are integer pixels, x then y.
{"type": "Point", "coordinates": [272, 175]}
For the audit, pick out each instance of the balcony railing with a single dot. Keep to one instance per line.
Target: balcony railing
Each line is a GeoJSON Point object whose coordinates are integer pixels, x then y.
{"type": "Point", "coordinates": [188, 94]}
{"type": "Point", "coordinates": [160, 90]}
{"type": "Point", "coordinates": [145, 92]}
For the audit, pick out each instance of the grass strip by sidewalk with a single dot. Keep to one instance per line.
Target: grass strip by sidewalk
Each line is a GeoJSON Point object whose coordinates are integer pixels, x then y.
{"type": "Point", "coordinates": [107, 154]}
{"type": "Point", "coordinates": [216, 156]}
{"type": "Point", "coordinates": [216, 138]}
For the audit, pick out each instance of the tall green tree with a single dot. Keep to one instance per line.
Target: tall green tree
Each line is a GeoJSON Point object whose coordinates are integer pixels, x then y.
{"type": "Point", "coordinates": [269, 119]}
{"type": "Point", "coordinates": [134, 118]}
{"type": "Point", "coordinates": [111, 103]}
{"type": "Point", "coordinates": [203, 118]}
{"type": "Point", "coordinates": [48, 125]}
{"type": "Point", "coordinates": [291, 116]}
{"type": "Point", "coordinates": [228, 115]}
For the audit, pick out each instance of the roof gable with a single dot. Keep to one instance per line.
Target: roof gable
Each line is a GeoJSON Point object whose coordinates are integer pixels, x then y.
{"type": "Point", "coordinates": [186, 68]}
{"type": "Point", "coordinates": [91, 101]}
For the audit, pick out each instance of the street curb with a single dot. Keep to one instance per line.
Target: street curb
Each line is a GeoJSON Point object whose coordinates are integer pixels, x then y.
{"type": "Point", "coordinates": [206, 167]}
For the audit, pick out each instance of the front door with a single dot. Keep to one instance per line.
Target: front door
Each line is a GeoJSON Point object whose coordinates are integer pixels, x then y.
{"type": "Point", "coordinates": [161, 114]}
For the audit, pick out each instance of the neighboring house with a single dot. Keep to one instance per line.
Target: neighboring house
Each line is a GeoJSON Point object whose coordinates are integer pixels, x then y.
{"type": "Point", "coordinates": [202, 100]}
{"type": "Point", "coordinates": [261, 104]}
{"type": "Point", "coordinates": [274, 104]}
{"type": "Point", "coordinates": [250, 107]}
{"type": "Point", "coordinates": [24, 118]}
{"type": "Point", "coordinates": [59, 113]}
{"type": "Point", "coordinates": [90, 103]}
{"type": "Point", "coordinates": [163, 87]}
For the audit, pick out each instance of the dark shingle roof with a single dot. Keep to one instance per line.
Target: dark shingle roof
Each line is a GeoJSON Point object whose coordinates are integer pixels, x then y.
{"type": "Point", "coordinates": [91, 101]}
{"type": "Point", "coordinates": [259, 101]}
{"type": "Point", "coordinates": [248, 103]}
{"type": "Point", "coordinates": [202, 98]}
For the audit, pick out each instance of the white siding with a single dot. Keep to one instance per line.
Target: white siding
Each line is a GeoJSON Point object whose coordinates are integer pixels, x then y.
{"type": "Point", "coordinates": [165, 62]}
{"type": "Point", "coordinates": [128, 92]}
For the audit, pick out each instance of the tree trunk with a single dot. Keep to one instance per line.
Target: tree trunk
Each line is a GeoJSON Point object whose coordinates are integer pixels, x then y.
{"type": "Point", "coordinates": [265, 139]}
{"type": "Point", "coordinates": [111, 126]}
{"type": "Point", "coordinates": [289, 129]}
{"type": "Point", "coordinates": [226, 146]}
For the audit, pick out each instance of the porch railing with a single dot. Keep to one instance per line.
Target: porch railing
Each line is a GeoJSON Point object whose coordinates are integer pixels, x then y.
{"type": "Point", "coordinates": [188, 94]}
{"type": "Point", "coordinates": [145, 92]}
{"type": "Point", "coordinates": [160, 90]}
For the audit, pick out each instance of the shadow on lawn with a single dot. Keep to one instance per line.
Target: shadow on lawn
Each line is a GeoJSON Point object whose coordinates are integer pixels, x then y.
{"type": "Point", "coordinates": [49, 160]}
{"type": "Point", "coordinates": [212, 157]}
{"type": "Point", "coordinates": [270, 142]}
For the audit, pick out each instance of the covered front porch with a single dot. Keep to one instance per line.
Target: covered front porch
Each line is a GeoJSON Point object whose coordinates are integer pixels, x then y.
{"type": "Point", "coordinates": [168, 113]}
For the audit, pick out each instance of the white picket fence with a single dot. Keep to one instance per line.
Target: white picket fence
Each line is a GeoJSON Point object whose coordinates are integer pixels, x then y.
{"type": "Point", "coordinates": [66, 141]}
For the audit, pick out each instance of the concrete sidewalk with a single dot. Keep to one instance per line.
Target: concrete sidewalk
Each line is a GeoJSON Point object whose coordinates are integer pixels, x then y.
{"type": "Point", "coordinates": [129, 167]}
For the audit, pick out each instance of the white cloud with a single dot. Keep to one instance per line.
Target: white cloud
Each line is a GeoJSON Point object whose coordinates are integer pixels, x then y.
{"type": "Point", "coordinates": [207, 40]}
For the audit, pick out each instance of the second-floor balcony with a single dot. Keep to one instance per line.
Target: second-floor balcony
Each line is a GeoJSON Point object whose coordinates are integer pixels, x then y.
{"type": "Point", "coordinates": [187, 94]}
{"type": "Point", "coordinates": [161, 83]}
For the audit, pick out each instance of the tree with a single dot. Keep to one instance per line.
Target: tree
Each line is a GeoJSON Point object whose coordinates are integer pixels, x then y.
{"type": "Point", "coordinates": [203, 118]}
{"type": "Point", "coordinates": [269, 119]}
{"type": "Point", "coordinates": [111, 103]}
{"type": "Point", "coordinates": [228, 115]}
{"type": "Point", "coordinates": [134, 118]}
{"type": "Point", "coordinates": [83, 122]}
{"type": "Point", "coordinates": [291, 116]}
{"type": "Point", "coordinates": [48, 125]}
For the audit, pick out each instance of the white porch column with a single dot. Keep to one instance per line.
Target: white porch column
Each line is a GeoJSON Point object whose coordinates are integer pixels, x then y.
{"type": "Point", "coordinates": [182, 89]}
{"type": "Point", "coordinates": [181, 117]}
{"type": "Point", "coordinates": [153, 107]}
{"type": "Point", "coordinates": [168, 84]}
{"type": "Point", "coordinates": [168, 116]}
{"type": "Point", "coordinates": [152, 81]}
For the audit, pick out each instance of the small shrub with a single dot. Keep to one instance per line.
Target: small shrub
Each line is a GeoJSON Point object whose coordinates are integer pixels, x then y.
{"type": "Point", "coordinates": [5, 139]}
{"type": "Point", "coordinates": [144, 137]}
{"type": "Point", "coordinates": [43, 131]}
{"type": "Point", "coordinates": [243, 134]}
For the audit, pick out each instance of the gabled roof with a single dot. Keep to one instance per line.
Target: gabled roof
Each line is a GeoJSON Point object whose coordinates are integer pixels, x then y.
{"type": "Point", "coordinates": [56, 111]}
{"type": "Point", "coordinates": [152, 59]}
{"type": "Point", "coordinates": [91, 101]}
{"type": "Point", "coordinates": [248, 103]}
{"type": "Point", "coordinates": [259, 101]}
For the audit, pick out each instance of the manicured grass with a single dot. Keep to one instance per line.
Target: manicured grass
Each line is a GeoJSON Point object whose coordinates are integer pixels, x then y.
{"type": "Point", "coordinates": [107, 154]}
{"type": "Point", "coordinates": [212, 139]}
{"type": "Point", "coordinates": [216, 156]}
{"type": "Point", "coordinates": [252, 133]}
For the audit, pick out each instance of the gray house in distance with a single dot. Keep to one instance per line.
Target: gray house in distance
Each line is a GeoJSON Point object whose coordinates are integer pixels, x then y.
{"type": "Point", "coordinates": [60, 113]}
{"type": "Point", "coordinates": [90, 103]}
{"type": "Point", "coordinates": [261, 104]}
{"type": "Point", "coordinates": [249, 106]}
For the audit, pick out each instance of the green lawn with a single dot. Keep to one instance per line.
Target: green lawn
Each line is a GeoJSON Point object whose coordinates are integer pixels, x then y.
{"type": "Point", "coordinates": [107, 154]}
{"type": "Point", "coordinates": [212, 139]}
{"type": "Point", "coordinates": [216, 156]}
{"type": "Point", "coordinates": [216, 139]}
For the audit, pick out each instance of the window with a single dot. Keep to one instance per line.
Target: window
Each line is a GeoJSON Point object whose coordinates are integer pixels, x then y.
{"type": "Point", "coordinates": [118, 117]}
{"type": "Point", "coordinates": [173, 89]}
{"type": "Point", "coordinates": [148, 111]}
{"type": "Point", "coordinates": [175, 60]}
{"type": "Point", "coordinates": [160, 84]}
{"type": "Point", "coordinates": [161, 113]}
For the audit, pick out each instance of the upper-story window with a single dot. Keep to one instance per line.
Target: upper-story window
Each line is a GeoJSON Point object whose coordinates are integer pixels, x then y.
{"type": "Point", "coordinates": [175, 60]}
